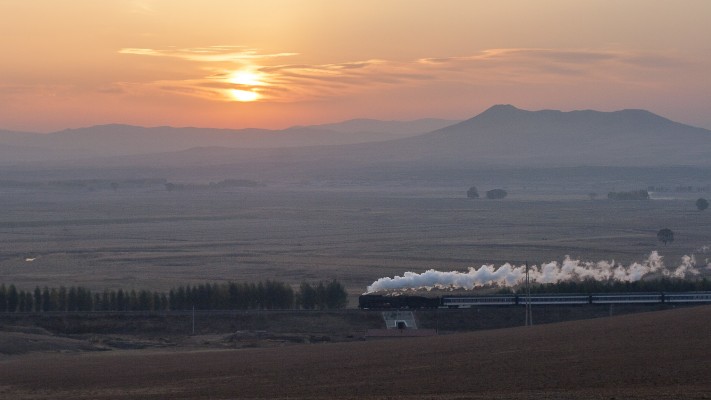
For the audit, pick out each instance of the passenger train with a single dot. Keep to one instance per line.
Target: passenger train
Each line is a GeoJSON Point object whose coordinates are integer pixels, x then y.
{"type": "Point", "coordinates": [376, 301]}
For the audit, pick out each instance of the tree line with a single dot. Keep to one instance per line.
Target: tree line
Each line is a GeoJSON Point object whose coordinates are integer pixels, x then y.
{"type": "Point", "coordinates": [493, 194]}
{"type": "Point", "coordinates": [268, 295]}
{"type": "Point", "coordinates": [632, 195]}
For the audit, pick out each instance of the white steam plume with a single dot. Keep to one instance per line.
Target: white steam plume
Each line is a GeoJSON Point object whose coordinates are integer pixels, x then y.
{"type": "Point", "coordinates": [552, 272]}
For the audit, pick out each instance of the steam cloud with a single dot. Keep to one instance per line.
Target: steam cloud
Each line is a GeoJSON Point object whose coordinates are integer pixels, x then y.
{"type": "Point", "coordinates": [552, 272]}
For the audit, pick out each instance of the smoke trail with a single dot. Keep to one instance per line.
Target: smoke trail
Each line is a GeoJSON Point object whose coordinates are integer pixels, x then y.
{"type": "Point", "coordinates": [552, 272]}
{"type": "Point", "coordinates": [704, 250]}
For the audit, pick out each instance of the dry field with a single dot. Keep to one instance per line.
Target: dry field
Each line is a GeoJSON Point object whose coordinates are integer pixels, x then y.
{"type": "Point", "coordinates": [151, 238]}
{"type": "Point", "coordinates": [664, 354]}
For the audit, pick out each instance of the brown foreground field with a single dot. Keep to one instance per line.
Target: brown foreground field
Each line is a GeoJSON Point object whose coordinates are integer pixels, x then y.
{"type": "Point", "coordinates": [664, 354]}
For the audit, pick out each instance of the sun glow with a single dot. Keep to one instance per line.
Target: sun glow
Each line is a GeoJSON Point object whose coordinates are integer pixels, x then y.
{"type": "Point", "coordinates": [244, 95]}
{"type": "Point", "coordinates": [247, 78]}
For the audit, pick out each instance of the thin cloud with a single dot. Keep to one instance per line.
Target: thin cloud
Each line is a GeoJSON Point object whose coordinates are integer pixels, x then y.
{"type": "Point", "coordinates": [16, 89]}
{"type": "Point", "coordinates": [559, 60]}
{"type": "Point", "coordinates": [141, 7]}
{"type": "Point", "coordinates": [207, 54]}
{"type": "Point", "coordinates": [42, 90]}
{"type": "Point", "coordinates": [298, 82]}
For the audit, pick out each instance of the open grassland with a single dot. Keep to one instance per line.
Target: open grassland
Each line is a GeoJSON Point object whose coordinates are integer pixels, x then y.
{"type": "Point", "coordinates": [154, 239]}
{"type": "Point", "coordinates": [654, 355]}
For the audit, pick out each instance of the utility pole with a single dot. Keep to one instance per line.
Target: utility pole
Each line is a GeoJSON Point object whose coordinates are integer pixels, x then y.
{"type": "Point", "coordinates": [529, 314]}
{"type": "Point", "coordinates": [193, 320]}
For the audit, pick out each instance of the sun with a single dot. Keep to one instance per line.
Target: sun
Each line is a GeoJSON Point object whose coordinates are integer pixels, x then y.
{"type": "Point", "coordinates": [245, 81]}
{"type": "Point", "coordinates": [244, 95]}
{"type": "Point", "coordinates": [247, 78]}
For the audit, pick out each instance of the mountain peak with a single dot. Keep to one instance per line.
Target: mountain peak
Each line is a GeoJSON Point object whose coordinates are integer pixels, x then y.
{"type": "Point", "coordinates": [612, 137]}
{"type": "Point", "coordinates": [501, 112]}
{"type": "Point", "coordinates": [493, 115]}
{"type": "Point", "coordinates": [504, 115]}
{"type": "Point", "coordinates": [501, 108]}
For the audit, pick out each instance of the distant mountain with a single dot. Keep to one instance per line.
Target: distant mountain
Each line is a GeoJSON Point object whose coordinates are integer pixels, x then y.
{"type": "Point", "coordinates": [399, 128]}
{"type": "Point", "coordinates": [500, 137]}
{"type": "Point", "coordinates": [504, 136]}
{"type": "Point", "coordinates": [120, 140]}
{"type": "Point", "coordinates": [13, 135]}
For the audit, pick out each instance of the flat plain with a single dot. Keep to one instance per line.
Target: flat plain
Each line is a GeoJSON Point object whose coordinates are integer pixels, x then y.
{"type": "Point", "coordinates": [155, 239]}
{"type": "Point", "coordinates": [149, 237]}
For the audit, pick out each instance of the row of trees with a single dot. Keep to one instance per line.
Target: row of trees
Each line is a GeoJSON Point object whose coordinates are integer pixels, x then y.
{"type": "Point", "coordinates": [701, 204]}
{"type": "Point", "coordinates": [612, 286]}
{"type": "Point", "coordinates": [493, 194]}
{"type": "Point", "coordinates": [632, 195]}
{"type": "Point", "coordinates": [267, 295]}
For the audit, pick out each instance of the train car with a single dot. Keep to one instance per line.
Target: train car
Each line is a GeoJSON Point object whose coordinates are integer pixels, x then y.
{"type": "Point", "coordinates": [626, 298]}
{"type": "Point", "coordinates": [380, 302]}
{"type": "Point", "coordinates": [688, 297]}
{"type": "Point", "coordinates": [404, 301]}
{"type": "Point", "coordinates": [553, 299]}
{"type": "Point", "coordinates": [476, 301]}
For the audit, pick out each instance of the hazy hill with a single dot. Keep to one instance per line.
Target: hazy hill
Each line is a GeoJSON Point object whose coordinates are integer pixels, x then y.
{"type": "Point", "coordinates": [399, 128]}
{"type": "Point", "coordinates": [506, 136]}
{"type": "Point", "coordinates": [117, 140]}
{"type": "Point", "coordinates": [502, 137]}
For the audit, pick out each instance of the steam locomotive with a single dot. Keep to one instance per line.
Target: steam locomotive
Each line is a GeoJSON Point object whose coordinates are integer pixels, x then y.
{"type": "Point", "coordinates": [407, 302]}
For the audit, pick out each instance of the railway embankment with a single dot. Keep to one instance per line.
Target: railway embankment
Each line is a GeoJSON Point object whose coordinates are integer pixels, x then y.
{"type": "Point", "coordinates": [241, 329]}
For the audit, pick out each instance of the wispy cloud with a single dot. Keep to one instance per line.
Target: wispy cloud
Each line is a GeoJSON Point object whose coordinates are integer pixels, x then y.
{"type": "Point", "coordinates": [547, 65]}
{"type": "Point", "coordinates": [298, 82]}
{"type": "Point", "coordinates": [141, 7]}
{"type": "Point", "coordinates": [207, 54]}
{"type": "Point", "coordinates": [38, 90]}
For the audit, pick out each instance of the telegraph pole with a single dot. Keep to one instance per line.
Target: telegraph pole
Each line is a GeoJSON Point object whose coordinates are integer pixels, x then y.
{"type": "Point", "coordinates": [529, 314]}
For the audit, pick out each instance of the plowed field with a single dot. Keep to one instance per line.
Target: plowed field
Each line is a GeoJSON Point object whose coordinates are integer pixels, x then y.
{"type": "Point", "coordinates": [664, 354]}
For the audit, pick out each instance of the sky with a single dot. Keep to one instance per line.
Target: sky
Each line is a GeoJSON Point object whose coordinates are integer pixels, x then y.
{"type": "Point", "coordinates": [279, 63]}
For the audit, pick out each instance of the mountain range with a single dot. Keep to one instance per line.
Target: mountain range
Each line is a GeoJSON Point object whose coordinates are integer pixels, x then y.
{"type": "Point", "coordinates": [501, 137]}
{"type": "Point", "coordinates": [120, 140]}
{"type": "Point", "coordinates": [507, 136]}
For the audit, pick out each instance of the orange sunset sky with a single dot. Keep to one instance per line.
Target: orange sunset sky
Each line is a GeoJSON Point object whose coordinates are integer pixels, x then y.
{"type": "Point", "coordinates": [273, 64]}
